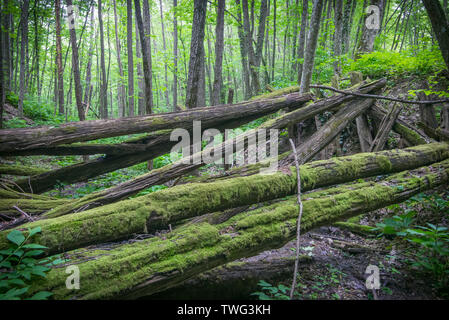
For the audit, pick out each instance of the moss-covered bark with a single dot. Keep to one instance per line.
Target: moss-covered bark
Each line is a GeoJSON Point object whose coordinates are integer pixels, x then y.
{"type": "Point", "coordinates": [153, 265]}
{"type": "Point", "coordinates": [19, 170]}
{"type": "Point", "coordinates": [159, 209]}
{"type": "Point", "coordinates": [28, 205]}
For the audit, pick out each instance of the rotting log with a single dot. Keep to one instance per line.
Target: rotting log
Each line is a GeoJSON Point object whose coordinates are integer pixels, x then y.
{"type": "Point", "coordinates": [19, 170]}
{"type": "Point", "coordinates": [22, 139]}
{"type": "Point", "coordinates": [157, 210]}
{"type": "Point", "coordinates": [153, 265]}
{"type": "Point", "coordinates": [330, 130]}
{"type": "Point", "coordinates": [161, 145]}
{"type": "Point", "coordinates": [384, 129]}
{"type": "Point", "coordinates": [364, 133]}
{"type": "Point", "coordinates": [28, 205]}
{"type": "Point", "coordinates": [413, 136]}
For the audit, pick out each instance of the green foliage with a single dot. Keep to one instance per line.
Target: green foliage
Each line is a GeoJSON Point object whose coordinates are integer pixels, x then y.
{"type": "Point", "coordinates": [395, 64]}
{"type": "Point", "coordinates": [19, 266]}
{"type": "Point", "coordinates": [432, 255]}
{"type": "Point", "coordinates": [270, 292]}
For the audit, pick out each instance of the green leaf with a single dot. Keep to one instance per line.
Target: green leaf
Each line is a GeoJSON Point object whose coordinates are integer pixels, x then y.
{"type": "Point", "coordinates": [33, 253]}
{"type": "Point", "coordinates": [34, 246]}
{"type": "Point", "coordinates": [34, 231]}
{"type": "Point", "coordinates": [16, 237]}
{"type": "Point", "coordinates": [42, 295]}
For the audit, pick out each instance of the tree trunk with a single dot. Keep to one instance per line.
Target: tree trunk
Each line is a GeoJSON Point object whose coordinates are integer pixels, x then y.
{"type": "Point", "coordinates": [219, 47]}
{"type": "Point", "coordinates": [385, 128]}
{"type": "Point", "coordinates": [103, 85]}
{"type": "Point", "coordinates": [175, 55]}
{"type": "Point", "coordinates": [167, 100]}
{"type": "Point", "coordinates": [302, 37]}
{"type": "Point", "coordinates": [76, 71]}
{"type": "Point", "coordinates": [121, 86]}
{"type": "Point", "coordinates": [196, 53]}
{"type": "Point", "coordinates": [129, 44]}
{"type": "Point", "coordinates": [366, 43]}
{"type": "Point", "coordinates": [312, 40]}
{"type": "Point", "coordinates": [440, 26]}
{"type": "Point", "coordinates": [338, 9]}
{"type": "Point", "coordinates": [243, 52]}
{"type": "Point", "coordinates": [201, 247]}
{"type": "Point", "coordinates": [23, 45]}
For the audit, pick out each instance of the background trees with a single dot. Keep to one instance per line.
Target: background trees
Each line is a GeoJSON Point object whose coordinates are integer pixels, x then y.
{"type": "Point", "coordinates": [191, 53]}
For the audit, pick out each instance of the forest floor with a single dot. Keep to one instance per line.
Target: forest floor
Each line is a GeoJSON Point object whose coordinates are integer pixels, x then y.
{"type": "Point", "coordinates": [339, 257]}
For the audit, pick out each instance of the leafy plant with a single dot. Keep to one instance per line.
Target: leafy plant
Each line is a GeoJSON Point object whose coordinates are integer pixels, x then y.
{"type": "Point", "coordinates": [19, 266]}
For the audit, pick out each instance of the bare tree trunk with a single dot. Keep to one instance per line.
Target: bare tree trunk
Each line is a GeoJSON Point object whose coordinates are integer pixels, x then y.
{"type": "Point", "coordinates": [165, 56]}
{"type": "Point", "coordinates": [175, 55]}
{"type": "Point", "coordinates": [60, 82]}
{"type": "Point", "coordinates": [219, 47]}
{"type": "Point", "coordinates": [243, 52]}
{"type": "Point", "coordinates": [274, 41]}
{"type": "Point", "coordinates": [366, 43]}
{"type": "Point", "coordinates": [129, 44]}
{"type": "Point", "coordinates": [140, 82]}
{"type": "Point", "coordinates": [196, 53]}
{"type": "Point", "coordinates": [103, 86]}
{"type": "Point", "coordinates": [76, 71]}
{"type": "Point", "coordinates": [23, 45]}
{"type": "Point", "coordinates": [338, 9]}
{"type": "Point", "coordinates": [312, 40]}
{"type": "Point", "coordinates": [121, 86]}
{"type": "Point", "coordinates": [440, 26]}
{"type": "Point", "coordinates": [302, 37]}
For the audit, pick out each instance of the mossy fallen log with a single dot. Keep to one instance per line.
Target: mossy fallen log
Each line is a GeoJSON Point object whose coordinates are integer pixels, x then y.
{"type": "Point", "coordinates": [21, 139]}
{"type": "Point", "coordinates": [159, 209]}
{"type": "Point", "coordinates": [19, 170]}
{"type": "Point", "coordinates": [409, 133]}
{"type": "Point", "coordinates": [149, 266]}
{"type": "Point", "coordinates": [29, 205]}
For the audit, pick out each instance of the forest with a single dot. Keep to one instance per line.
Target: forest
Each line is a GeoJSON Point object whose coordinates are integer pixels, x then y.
{"type": "Point", "coordinates": [224, 150]}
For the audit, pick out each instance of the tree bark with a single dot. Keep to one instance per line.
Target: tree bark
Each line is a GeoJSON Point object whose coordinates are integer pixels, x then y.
{"type": "Point", "coordinates": [338, 9]}
{"type": "Point", "coordinates": [103, 85]}
{"type": "Point", "coordinates": [167, 100]}
{"type": "Point", "coordinates": [175, 55]}
{"type": "Point", "coordinates": [23, 45]}
{"type": "Point", "coordinates": [366, 43]}
{"type": "Point", "coordinates": [219, 47]}
{"type": "Point", "coordinates": [201, 247]}
{"type": "Point", "coordinates": [385, 128]}
{"type": "Point", "coordinates": [196, 53]}
{"type": "Point", "coordinates": [312, 41]}
{"type": "Point", "coordinates": [129, 45]}
{"type": "Point", "coordinates": [121, 86]}
{"type": "Point", "coordinates": [440, 26]}
{"type": "Point", "coordinates": [302, 37]}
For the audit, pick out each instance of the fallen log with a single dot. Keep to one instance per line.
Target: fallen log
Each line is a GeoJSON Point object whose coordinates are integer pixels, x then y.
{"type": "Point", "coordinates": [413, 136]}
{"type": "Point", "coordinates": [95, 167]}
{"type": "Point", "coordinates": [157, 210]}
{"type": "Point", "coordinates": [149, 266]}
{"type": "Point", "coordinates": [22, 139]}
{"type": "Point", "coordinates": [19, 170]}
{"type": "Point", "coordinates": [384, 129]}
{"type": "Point", "coordinates": [330, 130]}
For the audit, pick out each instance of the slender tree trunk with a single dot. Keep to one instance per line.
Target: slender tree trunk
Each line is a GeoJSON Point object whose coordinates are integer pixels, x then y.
{"type": "Point", "coordinates": [2, 79]}
{"type": "Point", "coordinates": [302, 37]}
{"type": "Point", "coordinates": [196, 53]}
{"type": "Point", "coordinates": [366, 43]}
{"type": "Point", "coordinates": [312, 40]}
{"type": "Point", "coordinates": [121, 86]}
{"type": "Point", "coordinates": [103, 85]}
{"type": "Point", "coordinates": [76, 71]}
{"type": "Point", "coordinates": [129, 44]}
{"type": "Point", "coordinates": [140, 84]}
{"type": "Point", "coordinates": [243, 52]}
{"type": "Point", "coordinates": [440, 26]}
{"type": "Point", "coordinates": [167, 100]}
{"type": "Point", "coordinates": [219, 47]}
{"type": "Point", "coordinates": [175, 55]}
{"type": "Point", "coordinates": [145, 42]}
{"type": "Point", "coordinates": [338, 35]}
{"type": "Point", "coordinates": [36, 47]}
{"type": "Point", "coordinates": [60, 82]}
{"type": "Point", "coordinates": [274, 42]}
{"type": "Point", "coordinates": [23, 45]}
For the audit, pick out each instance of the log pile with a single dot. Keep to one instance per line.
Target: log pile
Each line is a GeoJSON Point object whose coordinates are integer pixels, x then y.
{"type": "Point", "coordinates": [206, 223]}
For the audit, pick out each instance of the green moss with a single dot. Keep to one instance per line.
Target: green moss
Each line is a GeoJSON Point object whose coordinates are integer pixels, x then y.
{"type": "Point", "coordinates": [19, 170]}
{"type": "Point", "coordinates": [277, 93]}
{"type": "Point", "coordinates": [384, 163]}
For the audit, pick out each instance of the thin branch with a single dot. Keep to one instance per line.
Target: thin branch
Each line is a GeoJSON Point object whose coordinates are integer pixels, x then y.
{"type": "Point", "coordinates": [374, 96]}
{"type": "Point", "coordinates": [24, 213]}
{"type": "Point", "coordinates": [298, 227]}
